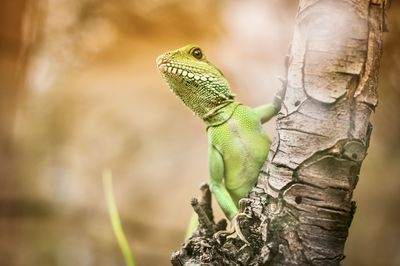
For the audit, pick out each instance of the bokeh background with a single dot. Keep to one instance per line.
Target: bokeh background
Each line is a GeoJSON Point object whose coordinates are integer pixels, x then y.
{"type": "Point", "coordinates": [80, 93]}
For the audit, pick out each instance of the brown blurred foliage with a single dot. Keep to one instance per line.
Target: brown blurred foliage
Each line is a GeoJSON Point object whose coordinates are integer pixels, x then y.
{"type": "Point", "coordinates": [80, 93]}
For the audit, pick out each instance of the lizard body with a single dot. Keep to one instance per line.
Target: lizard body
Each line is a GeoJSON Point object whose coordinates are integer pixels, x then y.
{"type": "Point", "coordinates": [238, 145]}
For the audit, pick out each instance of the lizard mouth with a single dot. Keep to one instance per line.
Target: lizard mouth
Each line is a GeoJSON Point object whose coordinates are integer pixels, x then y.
{"type": "Point", "coordinates": [161, 62]}
{"type": "Point", "coordinates": [162, 67]}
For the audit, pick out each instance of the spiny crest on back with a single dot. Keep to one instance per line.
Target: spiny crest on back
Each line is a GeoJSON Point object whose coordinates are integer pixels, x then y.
{"type": "Point", "coordinates": [197, 82]}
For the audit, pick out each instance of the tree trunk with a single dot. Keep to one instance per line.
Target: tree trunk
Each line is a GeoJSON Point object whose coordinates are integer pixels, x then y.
{"type": "Point", "coordinates": [17, 35]}
{"type": "Point", "coordinates": [18, 20]}
{"type": "Point", "coordinates": [302, 208]}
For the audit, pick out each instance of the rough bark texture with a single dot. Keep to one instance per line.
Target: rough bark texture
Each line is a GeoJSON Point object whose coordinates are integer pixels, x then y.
{"type": "Point", "coordinates": [302, 208]}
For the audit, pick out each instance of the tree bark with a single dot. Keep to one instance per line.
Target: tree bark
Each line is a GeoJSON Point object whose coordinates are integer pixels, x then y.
{"type": "Point", "coordinates": [302, 208]}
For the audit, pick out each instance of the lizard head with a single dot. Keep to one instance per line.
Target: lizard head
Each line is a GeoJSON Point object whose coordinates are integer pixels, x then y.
{"type": "Point", "coordinates": [197, 82]}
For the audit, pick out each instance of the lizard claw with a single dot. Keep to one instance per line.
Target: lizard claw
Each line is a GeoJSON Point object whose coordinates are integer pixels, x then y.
{"type": "Point", "coordinates": [284, 80]}
{"type": "Point", "coordinates": [277, 102]}
{"type": "Point", "coordinates": [234, 230]}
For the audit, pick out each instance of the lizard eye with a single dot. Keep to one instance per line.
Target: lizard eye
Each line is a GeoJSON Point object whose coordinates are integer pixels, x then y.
{"type": "Point", "coordinates": [196, 52]}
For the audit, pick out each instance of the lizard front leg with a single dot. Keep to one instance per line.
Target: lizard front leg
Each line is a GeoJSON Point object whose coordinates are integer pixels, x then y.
{"type": "Point", "coordinates": [224, 199]}
{"type": "Point", "coordinates": [217, 187]}
{"type": "Point", "coordinates": [267, 111]}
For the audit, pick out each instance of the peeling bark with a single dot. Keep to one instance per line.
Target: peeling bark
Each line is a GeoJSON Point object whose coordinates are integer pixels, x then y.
{"type": "Point", "coordinates": [302, 208]}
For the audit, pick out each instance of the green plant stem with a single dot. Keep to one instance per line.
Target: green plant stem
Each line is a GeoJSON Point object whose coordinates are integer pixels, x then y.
{"type": "Point", "coordinates": [115, 219]}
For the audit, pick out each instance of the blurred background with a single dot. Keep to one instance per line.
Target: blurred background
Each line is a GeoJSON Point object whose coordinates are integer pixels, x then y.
{"type": "Point", "coordinates": [80, 92]}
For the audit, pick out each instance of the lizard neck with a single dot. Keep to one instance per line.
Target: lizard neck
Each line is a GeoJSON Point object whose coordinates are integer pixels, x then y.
{"type": "Point", "coordinates": [220, 114]}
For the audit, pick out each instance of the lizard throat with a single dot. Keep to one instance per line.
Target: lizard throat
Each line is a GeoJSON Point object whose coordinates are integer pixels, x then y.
{"type": "Point", "coordinates": [220, 114]}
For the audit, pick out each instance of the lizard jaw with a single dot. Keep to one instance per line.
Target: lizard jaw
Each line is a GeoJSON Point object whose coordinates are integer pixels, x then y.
{"type": "Point", "coordinates": [161, 62]}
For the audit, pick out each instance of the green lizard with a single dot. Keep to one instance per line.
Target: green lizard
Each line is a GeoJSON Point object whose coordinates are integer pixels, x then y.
{"type": "Point", "coordinates": [238, 145]}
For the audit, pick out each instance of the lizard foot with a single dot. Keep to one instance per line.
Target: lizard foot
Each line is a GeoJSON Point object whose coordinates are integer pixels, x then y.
{"type": "Point", "coordinates": [234, 230]}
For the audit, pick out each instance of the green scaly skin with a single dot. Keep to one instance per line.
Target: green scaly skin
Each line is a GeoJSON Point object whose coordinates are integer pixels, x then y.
{"type": "Point", "coordinates": [238, 145]}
